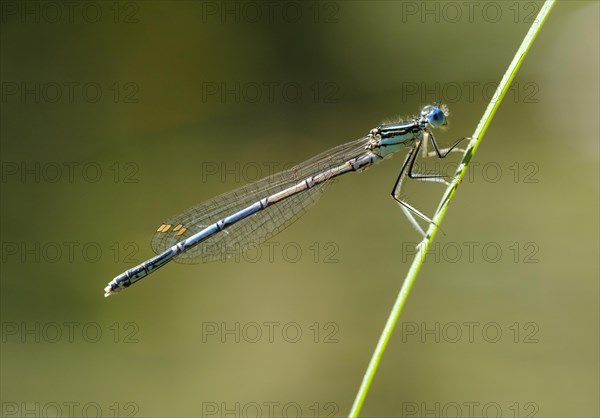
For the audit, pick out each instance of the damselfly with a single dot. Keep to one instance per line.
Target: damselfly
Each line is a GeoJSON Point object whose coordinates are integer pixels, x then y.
{"type": "Point", "coordinates": [256, 212]}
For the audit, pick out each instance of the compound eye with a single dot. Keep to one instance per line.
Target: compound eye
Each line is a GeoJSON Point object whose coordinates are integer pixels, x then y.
{"type": "Point", "coordinates": [436, 117]}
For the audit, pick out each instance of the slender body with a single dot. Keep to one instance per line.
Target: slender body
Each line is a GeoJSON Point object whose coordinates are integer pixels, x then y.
{"type": "Point", "coordinates": [259, 211]}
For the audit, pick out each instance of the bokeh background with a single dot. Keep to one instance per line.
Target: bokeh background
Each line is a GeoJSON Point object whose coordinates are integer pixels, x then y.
{"type": "Point", "coordinates": [117, 115]}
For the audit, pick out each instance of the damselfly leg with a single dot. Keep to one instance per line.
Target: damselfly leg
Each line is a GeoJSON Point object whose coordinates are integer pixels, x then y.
{"type": "Point", "coordinates": [407, 171]}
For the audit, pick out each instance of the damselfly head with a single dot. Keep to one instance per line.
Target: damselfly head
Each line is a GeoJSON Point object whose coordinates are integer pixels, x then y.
{"type": "Point", "coordinates": [435, 115]}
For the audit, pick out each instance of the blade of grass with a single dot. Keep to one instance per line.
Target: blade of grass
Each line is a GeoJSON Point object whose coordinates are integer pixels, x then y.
{"type": "Point", "coordinates": [423, 247]}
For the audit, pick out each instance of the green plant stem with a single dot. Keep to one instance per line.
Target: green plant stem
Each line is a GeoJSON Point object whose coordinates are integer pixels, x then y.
{"type": "Point", "coordinates": [423, 247]}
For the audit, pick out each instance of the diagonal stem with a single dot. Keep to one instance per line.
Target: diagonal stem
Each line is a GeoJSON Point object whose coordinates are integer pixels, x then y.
{"type": "Point", "coordinates": [423, 247]}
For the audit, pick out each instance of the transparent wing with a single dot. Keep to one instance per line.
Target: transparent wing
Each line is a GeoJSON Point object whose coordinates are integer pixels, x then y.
{"type": "Point", "coordinates": [259, 227]}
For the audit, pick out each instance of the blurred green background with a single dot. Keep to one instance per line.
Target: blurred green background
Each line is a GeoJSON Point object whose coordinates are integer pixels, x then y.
{"type": "Point", "coordinates": [116, 116]}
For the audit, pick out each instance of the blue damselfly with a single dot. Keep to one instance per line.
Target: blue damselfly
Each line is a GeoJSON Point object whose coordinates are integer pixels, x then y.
{"type": "Point", "coordinates": [256, 212]}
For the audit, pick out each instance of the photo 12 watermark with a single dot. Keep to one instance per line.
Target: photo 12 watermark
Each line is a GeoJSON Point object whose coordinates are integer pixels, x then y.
{"type": "Point", "coordinates": [69, 172]}
{"type": "Point", "coordinates": [271, 251]}
{"type": "Point", "coordinates": [244, 172]}
{"type": "Point", "coordinates": [524, 12]}
{"type": "Point", "coordinates": [268, 409]}
{"type": "Point", "coordinates": [468, 92]}
{"type": "Point", "coordinates": [491, 252]}
{"type": "Point", "coordinates": [69, 12]}
{"type": "Point", "coordinates": [239, 172]}
{"type": "Point", "coordinates": [68, 92]}
{"type": "Point", "coordinates": [470, 332]}
{"type": "Point", "coordinates": [70, 332]}
{"type": "Point", "coordinates": [270, 332]}
{"type": "Point", "coordinates": [69, 409]}
{"type": "Point", "coordinates": [489, 172]}
{"type": "Point", "coordinates": [270, 92]}
{"type": "Point", "coordinates": [69, 252]}
{"type": "Point", "coordinates": [470, 409]}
